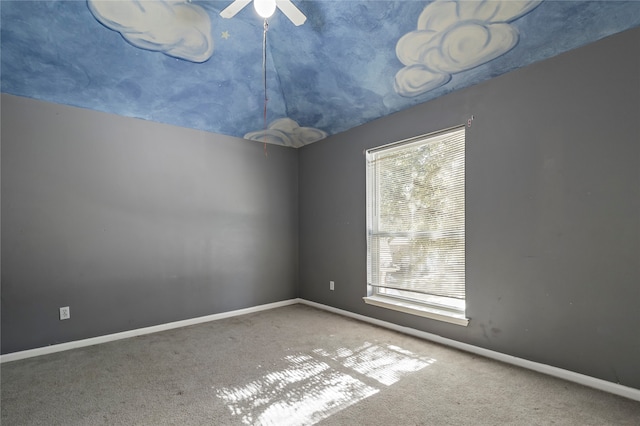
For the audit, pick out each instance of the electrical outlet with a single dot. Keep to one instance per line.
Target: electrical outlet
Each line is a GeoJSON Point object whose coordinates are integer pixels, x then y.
{"type": "Point", "coordinates": [65, 313]}
{"type": "Point", "coordinates": [332, 285]}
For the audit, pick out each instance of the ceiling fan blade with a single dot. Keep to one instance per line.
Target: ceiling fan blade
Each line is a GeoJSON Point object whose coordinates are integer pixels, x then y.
{"type": "Point", "coordinates": [292, 12]}
{"type": "Point", "coordinates": [235, 7]}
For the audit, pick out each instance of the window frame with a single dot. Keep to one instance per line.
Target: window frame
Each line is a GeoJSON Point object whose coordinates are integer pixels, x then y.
{"type": "Point", "coordinates": [430, 306]}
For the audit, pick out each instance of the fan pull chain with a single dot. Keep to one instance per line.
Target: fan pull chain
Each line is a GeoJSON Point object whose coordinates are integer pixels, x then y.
{"type": "Point", "coordinates": [264, 81]}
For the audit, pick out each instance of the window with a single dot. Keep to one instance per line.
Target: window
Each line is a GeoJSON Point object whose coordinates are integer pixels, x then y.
{"type": "Point", "coordinates": [415, 226]}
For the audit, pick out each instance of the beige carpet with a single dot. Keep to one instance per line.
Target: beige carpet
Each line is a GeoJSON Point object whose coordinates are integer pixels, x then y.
{"type": "Point", "coordinates": [291, 366]}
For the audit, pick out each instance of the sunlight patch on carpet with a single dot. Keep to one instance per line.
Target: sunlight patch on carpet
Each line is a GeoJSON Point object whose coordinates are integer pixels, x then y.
{"type": "Point", "coordinates": [305, 393]}
{"type": "Point", "coordinates": [310, 389]}
{"type": "Point", "coordinates": [386, 365]}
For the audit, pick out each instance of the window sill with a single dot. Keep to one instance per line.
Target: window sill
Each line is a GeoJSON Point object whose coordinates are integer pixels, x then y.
{"type": "Point", "coordinates": [417, 309]}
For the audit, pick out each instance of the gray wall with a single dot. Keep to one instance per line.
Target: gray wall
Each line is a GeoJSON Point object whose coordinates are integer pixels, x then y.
{"type": "Point", "coordinates": [133, 223]}
{"type": "Point", "coordinates": [553, 211]}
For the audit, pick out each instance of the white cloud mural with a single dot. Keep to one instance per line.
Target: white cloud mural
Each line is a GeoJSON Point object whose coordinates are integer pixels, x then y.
{"type": "Point", "coordinates": [455, 36]}
{"type": "Point", "coordinates": [176, 28]}
{"type": "Point", "coordinates": [287, 132]}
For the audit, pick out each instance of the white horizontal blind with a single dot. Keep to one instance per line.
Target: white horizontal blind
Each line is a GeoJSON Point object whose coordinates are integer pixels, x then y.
{"type": "Point", "coordinates": [415, 215]}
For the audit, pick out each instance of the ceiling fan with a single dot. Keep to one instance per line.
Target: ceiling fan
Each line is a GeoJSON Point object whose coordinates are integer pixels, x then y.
{"type": "Point", "coordinates": [266, 8]}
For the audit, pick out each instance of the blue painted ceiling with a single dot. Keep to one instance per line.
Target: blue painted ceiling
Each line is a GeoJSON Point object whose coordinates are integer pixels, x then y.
{"type": "Point", "coordinates": [352, 61]}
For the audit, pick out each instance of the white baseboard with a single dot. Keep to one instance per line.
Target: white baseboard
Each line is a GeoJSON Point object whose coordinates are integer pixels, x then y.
{"type": "Point", "coordinates": [14, 356]}
{"type": "Point", "coordinates": [571, 376]}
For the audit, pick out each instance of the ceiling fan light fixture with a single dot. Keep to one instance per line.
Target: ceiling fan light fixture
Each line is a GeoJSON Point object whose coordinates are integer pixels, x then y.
{"type": "Point", "coordinates": [265, 8]}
